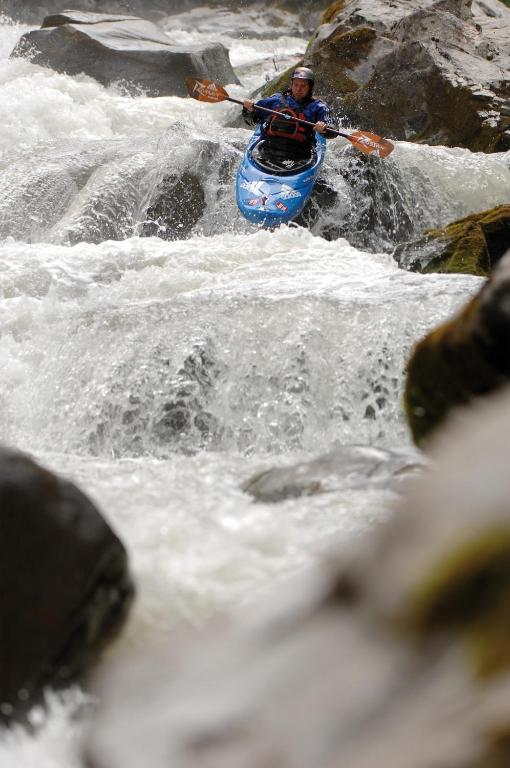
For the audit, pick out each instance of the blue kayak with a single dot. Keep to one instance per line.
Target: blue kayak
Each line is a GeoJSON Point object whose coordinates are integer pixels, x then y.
{"type": "Point", "coordinates": [271, 193]}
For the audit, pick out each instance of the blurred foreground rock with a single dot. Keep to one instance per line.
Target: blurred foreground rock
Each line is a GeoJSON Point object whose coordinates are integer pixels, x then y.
{"type": "Point", "coordinates": [65, 583]}
{"type": "Point", "coordinates": [436, 71]}
{"type": "Point", "coordinates": [125, 50]}
{"type": "Point", "coordinates": [472, 245]}
{"type": "Point", "coordinates": [396, 655]}
{"type": "Point", "coordinates": [465, 357]}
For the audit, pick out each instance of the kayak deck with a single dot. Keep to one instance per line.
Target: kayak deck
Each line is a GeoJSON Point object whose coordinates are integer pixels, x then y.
{"type": "Point", "coordinates": [272, 193]}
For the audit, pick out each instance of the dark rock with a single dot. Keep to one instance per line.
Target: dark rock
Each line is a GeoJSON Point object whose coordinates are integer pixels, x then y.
{"type": "Point", "coordinates": [180, 202]}
{"type": "Point", "coordinates": [472, 245]}
{"type": "Point", "coordinates": [65, 583]}
{"type": "Point", "coordinates": [123, 50]}
{"type": "Point", "coordinates": [466, 357]}
{"type": "Point", "coordinates": [321, 201]}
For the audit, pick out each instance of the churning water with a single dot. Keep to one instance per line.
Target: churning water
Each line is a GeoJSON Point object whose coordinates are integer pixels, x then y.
{"type": "Point", "coordinates": [161, 374]}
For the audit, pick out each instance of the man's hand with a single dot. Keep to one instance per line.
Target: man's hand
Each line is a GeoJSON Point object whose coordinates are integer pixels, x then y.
{"type": "Point", "coordinates": [320, 127]}
{"type": "Point", "coordinates": [248, 105]}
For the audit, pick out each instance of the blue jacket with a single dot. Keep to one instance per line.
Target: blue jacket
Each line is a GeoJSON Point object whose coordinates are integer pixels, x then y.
{"type": "Point", "coordinates": [312, 109]}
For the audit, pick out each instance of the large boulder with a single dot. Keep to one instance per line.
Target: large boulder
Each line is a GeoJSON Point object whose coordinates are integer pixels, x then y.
{"type": "Point", "coordinates": [122, 49]}
{"type": "Point", "coordinates": [397, 655]}
{"type": "Point", "coordinates": [465, 357]}
{"type": "Point", "coordinates": [65, 583]}
{"type": "Point", "coordinates": [418, 70]}
{"type": "Point", "coordinates": [472, 245]}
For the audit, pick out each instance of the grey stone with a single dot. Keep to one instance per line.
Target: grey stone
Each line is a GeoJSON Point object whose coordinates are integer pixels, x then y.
{"type": "Point", "coordinates": [346, 467]}
{"type": "Point", "coordinates": [130, 51]}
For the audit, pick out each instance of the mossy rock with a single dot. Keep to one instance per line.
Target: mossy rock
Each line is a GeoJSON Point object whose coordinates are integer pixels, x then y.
{"type": "Point", "coordinates": [448, 368]}
{"type": "Point", "coordinates": [332, 11]}
{"type": "Point", "coordinates": [280, 83]}
{"type": "Point", "coordinates": [472, 245]}
{"type": "Point", "coordinates": [468, 591]}
{"type": "Point", "coordinates": [466, 584]}
{"type": "Point", "coordinates": [350, 47]}
{"type": "Point", "coordinates": [336, 62]}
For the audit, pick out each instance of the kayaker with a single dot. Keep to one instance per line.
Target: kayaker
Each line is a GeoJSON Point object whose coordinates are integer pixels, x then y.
{"type": "Point", "coordinates": [284, 138]}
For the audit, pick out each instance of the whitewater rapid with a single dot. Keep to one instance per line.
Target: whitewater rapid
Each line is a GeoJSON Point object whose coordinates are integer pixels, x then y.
{"type": "Point", "coordinates": [277, 346]}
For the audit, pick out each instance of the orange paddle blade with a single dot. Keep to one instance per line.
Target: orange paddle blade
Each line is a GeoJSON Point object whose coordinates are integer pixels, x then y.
{"type": "Point", "coordinates": [371, 143]}
{"type": "Point", "coordinates": [205, 90]}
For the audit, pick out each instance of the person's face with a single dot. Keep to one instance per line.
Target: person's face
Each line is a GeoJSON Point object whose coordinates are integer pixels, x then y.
{"type": "Point", "coordinates": [299, 89]}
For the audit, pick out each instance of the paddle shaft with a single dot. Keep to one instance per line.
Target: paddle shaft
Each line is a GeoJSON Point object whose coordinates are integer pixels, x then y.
{"type": "Point", "coordinates": [289, 117]}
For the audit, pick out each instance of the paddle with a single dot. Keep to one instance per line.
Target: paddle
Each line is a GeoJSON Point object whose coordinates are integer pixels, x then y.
{"type": "Point", "coordinates": [368, 143]}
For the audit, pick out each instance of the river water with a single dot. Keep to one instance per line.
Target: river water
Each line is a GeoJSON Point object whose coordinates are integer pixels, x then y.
{"type": "Point", "coordinates": [274, 347]}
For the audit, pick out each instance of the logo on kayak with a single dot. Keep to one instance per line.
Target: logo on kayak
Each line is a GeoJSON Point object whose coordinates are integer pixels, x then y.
{"type": "Point", "coordinates": [258, 201]}
{"type": "Point", "coordinates": [255, 187]}
{"type": "Point", "coordinates": [286, 192]}
{"type": "Point", "coordinates": [281, 206]}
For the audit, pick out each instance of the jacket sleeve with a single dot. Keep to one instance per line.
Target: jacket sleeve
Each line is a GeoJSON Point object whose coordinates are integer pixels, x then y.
{"type": "Point", "coordinates": [324, 115]}
{"type": "Point", "coordinates": [250, 118]}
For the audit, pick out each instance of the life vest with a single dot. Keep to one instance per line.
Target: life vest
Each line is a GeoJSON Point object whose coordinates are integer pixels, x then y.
{"type": "Point", "coordinates": [288, 129]}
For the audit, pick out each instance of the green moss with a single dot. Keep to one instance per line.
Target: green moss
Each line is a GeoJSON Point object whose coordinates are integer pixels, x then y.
{"type": "Point", "coordinates": [488, 640]}
{"type": "Point", "coordinates": [279, 83]}
{"type": "Point", "coordinates": [497, 750]}
{"type": "Point", "coordinates": [467, 254]}
{"type": "Point", "coordinates": [464, 588]}
{"type": "Point", "coordinates": [337, 82]}
{"type": "Point", "coordinates": [469, 590]}
{"type": "Point", "coordinates": [349, 48]}
{"type": "Point", "coordinates": [473, 245]}
{"type": "Point", "coordinates": [332, 11]}
{"type": "Point", "coordinates": [337, 57]}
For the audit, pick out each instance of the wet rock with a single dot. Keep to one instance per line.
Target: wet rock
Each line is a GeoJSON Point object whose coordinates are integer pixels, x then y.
{"type": "Point", "coordinates": [65, 583]}
{"type": "Point", "coordinates": [320, 203]}
{"type": "Point", "coordinates": [415, 69]}
{"type": "Point", "coordinates": [355, 466]}
{"type": "Point", "coordinates": [472, 245]}
{"type": "Point", "coordinates": [180, 203]}
{"type": "Point", "coordinates": [127, 50]}
{"type": "Point", "coordinates": [395, 654]}
{"type": "Point", "coordinates": [462, 359]}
